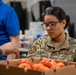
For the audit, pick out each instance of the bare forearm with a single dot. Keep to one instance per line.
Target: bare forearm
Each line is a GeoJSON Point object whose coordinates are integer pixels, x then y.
{"type": "Point", "coordinates": [11, 47]}
{"type": "Point", "coordinates": [12, 51]}
{"type": "Point", "coordinates": [8, 47]}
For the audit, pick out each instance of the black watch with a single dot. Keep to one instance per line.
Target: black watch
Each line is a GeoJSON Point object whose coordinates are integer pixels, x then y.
{"type": "Point", "coordinates": [0, 53]}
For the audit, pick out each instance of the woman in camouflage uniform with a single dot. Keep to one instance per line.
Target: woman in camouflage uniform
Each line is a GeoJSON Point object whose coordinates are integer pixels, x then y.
{"type": "Point", "coordinates": [57, 44]}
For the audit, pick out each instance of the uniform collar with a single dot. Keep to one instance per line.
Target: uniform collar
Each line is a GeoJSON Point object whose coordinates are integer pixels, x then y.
{"type": "Point", "coordinates": [65, 43]}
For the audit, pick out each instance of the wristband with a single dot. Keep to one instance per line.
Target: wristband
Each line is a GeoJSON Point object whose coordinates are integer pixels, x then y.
{"type": "Point", "coordinates": [0, 53]}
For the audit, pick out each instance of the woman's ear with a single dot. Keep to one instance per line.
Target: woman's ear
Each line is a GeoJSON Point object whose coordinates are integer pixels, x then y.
{"type": "Point", "coordinates": [63, 23]}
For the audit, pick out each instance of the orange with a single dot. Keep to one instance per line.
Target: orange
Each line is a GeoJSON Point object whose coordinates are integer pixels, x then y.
{"type": "Point", "coordinates": [46, 62]}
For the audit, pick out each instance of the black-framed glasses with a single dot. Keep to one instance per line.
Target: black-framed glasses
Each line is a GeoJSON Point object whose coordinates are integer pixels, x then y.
{"type": "Point", "coordinates": [51, 24]}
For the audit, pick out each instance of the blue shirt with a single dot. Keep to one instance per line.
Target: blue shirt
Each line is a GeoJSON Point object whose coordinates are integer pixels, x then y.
{"type": "Point", "coordinates": [9, 24]}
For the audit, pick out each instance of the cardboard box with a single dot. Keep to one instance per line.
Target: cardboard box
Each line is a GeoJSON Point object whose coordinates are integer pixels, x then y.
{"type": "Point", "coordinates": [10, 68]}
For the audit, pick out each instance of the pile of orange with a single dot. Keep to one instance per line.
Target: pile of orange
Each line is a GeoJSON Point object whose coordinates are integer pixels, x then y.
{"type": "Point", "coordinates": [44, 64]}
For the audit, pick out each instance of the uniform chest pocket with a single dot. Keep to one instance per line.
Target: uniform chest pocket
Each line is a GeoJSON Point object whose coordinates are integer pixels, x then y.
{"type": "Point", "coordinates": [59, 56]}
{"type": "Point", "coordinates": [67, 55]}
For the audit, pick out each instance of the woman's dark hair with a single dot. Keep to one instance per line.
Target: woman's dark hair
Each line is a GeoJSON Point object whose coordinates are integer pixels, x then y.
{"type": "Point", "coordinates": [67, 21]}
{"type": "Point", "coordinates": [57, 12]}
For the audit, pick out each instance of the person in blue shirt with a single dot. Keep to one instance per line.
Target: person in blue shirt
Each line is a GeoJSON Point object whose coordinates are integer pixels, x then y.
{"type": "Point", "coordinates": [9, 32]}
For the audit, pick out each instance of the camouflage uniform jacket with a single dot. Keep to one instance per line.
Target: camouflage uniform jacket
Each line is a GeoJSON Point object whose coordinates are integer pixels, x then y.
{"type": "Point", "coordinates": [45, 47]}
